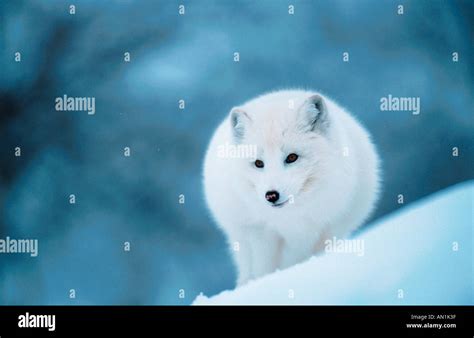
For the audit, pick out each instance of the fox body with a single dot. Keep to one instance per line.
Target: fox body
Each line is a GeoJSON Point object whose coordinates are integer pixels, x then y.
{"type": "Point", "coordinates": [313, 175]}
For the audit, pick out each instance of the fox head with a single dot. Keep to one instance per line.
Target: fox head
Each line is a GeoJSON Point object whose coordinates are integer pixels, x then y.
{"type": "Point", "coordinates": [291, 140]}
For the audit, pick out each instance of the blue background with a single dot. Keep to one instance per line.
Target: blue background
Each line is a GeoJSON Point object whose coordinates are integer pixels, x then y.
{"type": "Point", "coordinates": [190, 57]}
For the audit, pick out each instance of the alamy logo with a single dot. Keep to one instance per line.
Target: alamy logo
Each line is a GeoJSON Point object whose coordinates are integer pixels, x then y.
{"type": "Point", "coordinates": [66, 103]}
{"type": "Point", "coordinates": [392, 103]}
{"type": "Point", "coordinates": [345, 246]}
{"type": "Point", "coordinates": [228, 150]}
{"type": "Point", "coordinates": [10, 245]}
{"type": "Point", "coordinates": [37, 321]}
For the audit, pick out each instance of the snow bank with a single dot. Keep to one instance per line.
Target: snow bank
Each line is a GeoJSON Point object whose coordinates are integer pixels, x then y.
{"type": "Point", "coordinates": [421, 254]}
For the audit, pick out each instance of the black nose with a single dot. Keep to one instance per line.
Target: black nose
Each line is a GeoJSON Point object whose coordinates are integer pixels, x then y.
{"type": "Point", "coordinates": [272, 196]}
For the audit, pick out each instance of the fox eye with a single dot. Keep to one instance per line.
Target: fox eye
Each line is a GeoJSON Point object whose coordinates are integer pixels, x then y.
{"type": "Point", "coordinates": [291, 158]}
{"type": "Point", "coordinates": [259, 164]}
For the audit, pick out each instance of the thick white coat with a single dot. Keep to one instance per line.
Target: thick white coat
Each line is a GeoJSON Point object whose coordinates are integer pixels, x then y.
{"type": "Point", "coordinates": [330, 190]}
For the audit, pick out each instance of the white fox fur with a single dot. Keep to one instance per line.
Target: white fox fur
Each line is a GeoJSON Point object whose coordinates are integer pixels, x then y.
{"type": "Point", "coordinates": [329, 190]}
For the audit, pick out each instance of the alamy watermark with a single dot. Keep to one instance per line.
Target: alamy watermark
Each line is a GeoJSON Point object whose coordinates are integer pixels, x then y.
{"type": "Point", "coordinates": [393, 103]}
{"type": "Point", "coordinates": [66, 103]}
{"type": "Point", "coordinates": [37, 321]}
{"type": "Point", "coordinates": [10, 245]}
{"type": "Point", "coordinates": [229, 150]}
{"type": "Point", "coordinates": [345, 246]}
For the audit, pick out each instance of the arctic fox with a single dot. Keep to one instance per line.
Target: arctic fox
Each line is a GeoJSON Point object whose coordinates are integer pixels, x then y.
{"type": "Point", "coordinates": [314, 175]}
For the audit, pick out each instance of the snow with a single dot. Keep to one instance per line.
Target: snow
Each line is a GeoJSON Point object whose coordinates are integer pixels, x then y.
{"type": "Point", "coordinates": [421, 254]}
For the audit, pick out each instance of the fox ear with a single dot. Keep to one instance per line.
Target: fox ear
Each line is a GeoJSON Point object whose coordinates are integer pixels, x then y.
{"type": "Point", "coordinates": [313, 114]}
{"type": "Point", "coordinates": [239, 121]}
